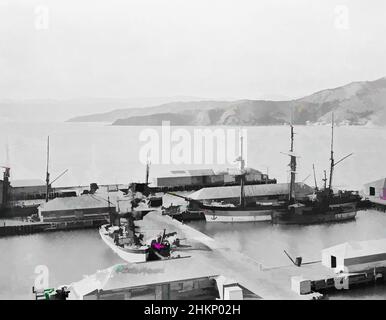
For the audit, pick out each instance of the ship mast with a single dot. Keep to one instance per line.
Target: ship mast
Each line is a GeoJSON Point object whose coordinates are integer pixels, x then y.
{"type": "Point", "coordinates": [242, 165]}
{"type": "Point", "coordinates": [47, 173]}
{"type": "Point", "coordinates": [242, 195]}
{"type": "Point", "coordinates": [316, 184]}
{"type": "Point", "coordinates": [332, 164]}
{"type": "Point", "coordinates": [147, 171]}
{"type": "Point", "coordinates": [292, 168]}
{"type": "Point", "coordinates": [325, 179]}
{"type": "Point", "coordinates": [6, 178]}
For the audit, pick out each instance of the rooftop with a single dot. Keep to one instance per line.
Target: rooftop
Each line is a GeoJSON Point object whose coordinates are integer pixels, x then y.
{"type": "Point", "coordinates": [208, 172]}
{"type": "Point", "coordinates": [27, 183]}
{"type": "Point", "coordinates": [356, 249]}
{"type": "Point", "coordinates": [86, 201]}
{"type": "Point", "coordinates": [190, 173]}
{"type": "Point", "coordinates": [250, 191]}
{"type": "Point", "coordinates": [128, 275]}
{"type": "Point", "coordinates": [380, 182]}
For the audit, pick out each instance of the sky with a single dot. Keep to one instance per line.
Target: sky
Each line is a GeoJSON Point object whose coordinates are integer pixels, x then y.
{"type": "Point", "coordinates": [233, 49]}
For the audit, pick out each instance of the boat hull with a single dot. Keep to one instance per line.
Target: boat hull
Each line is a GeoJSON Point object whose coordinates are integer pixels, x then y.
{"type": "Point", "coordinates": [337, 213]}
{"type": "Point", "coordinates": [130, 255]}
{"type": "Point", "coordinates": [219, 215]}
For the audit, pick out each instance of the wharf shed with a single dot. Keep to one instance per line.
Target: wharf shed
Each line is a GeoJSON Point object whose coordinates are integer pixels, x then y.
{"type": "Point", "coordinates": [27, 189]}
{"type": "Point", "coordinates": [376, 189]}
{"type": "Point", "coordinates": [355, 256]}
{"type": "Point", "coordinates": [170, 280]}
{"type": "Point", "coordinates": [186, 177]}
{"type": "Point", "coordinates": [86, 207]}
{"type": "Point", "coordinates": [207, 177]}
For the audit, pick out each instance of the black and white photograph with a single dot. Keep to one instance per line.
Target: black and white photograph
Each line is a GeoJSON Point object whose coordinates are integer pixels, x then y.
{"type": "Point", "coordinates": [209, 151]}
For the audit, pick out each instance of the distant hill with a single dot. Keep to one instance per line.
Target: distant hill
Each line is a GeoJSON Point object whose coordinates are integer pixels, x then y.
{"type": "Point", "coordinates": [357, 103]}
{"type": "Point", "coordinates": [171, 107]}
{"type": "Point", "coordinates": [61, 109]}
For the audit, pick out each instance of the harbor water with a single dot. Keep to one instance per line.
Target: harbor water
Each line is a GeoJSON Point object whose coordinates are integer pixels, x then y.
{"type": "Point", "coordinates": [107, 154]}
{"type": "Point", "coordinates": [71, 255]}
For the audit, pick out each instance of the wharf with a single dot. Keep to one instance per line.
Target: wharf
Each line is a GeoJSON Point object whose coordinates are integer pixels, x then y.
{"type": "Point", "coordinates": [266, 283]}
{"type": "Point", "coordinates": [205, 258]}
{"type": "Point", "coordinates": [10, 227]}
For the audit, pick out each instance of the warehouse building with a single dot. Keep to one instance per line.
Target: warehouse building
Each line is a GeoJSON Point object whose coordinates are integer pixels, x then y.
{"type": "Point", "coordinates": [161, 280]}
{"type": "Point", "coordinates": [355, 256]}
{"type": "Point", "coordinates": [186, 177]}
{"type": "Point", "coordinates": [27, 189]}
{"type": "Point", "coordinates": [258, 192]}
{"type": "Point", "coordinates": [86, 208]}
{"type": "Point", "coordinates": [376, 189]}
{"type": "Point", "coordinates": [207, 177]}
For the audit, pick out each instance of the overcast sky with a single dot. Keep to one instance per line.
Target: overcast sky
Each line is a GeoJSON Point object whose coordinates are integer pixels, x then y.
{"type": "Point", "coordinates": [203, 48]}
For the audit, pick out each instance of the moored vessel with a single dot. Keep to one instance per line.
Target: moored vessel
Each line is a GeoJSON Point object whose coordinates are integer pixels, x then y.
{"type": "Point", "coordinates": [324, 205]}
{"type": "Point", "coordinates": [243, 212]}
{"type": "Point", "coordinates": [128, 248]}
{"type": "Point", "coordinates": [129, 244]}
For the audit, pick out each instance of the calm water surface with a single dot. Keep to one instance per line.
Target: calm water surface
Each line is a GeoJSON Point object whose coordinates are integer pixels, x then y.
{"type": "Point", "coordinates": [106, 154]}
{"type": "Point", "coordinates": [71, 255]}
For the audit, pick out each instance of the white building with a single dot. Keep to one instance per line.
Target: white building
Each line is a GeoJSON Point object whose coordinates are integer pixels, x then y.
{"type": "Point", "coordinates": [376, 189]}
{"type": "Point", "coordinates": [355, 256]}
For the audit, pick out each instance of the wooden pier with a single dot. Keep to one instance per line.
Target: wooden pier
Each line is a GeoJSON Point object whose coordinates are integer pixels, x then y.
{"type": "Point", "coordinates": [14, 227]}
{"type": "Point", "coordinates": [8, 228]}
{"type": "Point", "coordinates": [265, 282]}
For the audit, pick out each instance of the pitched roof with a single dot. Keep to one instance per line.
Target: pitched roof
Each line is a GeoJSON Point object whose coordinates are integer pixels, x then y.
{"type": "Point", "coordinates": [86, 201]}
{"type": "Point", "coordinates": [190, 173]}
{"type": "Point", "coordinates": [209, 172]}
{"type": "Point", "coordinates": [250, 191]}
{"type": "Point", "coordinates": [381, 183]}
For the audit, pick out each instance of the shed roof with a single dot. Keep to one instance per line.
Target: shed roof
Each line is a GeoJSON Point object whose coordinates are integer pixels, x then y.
{"type": "Point", "coordinates": [237, 171]}
{"type": "Point", "coordinates": [85, 201]}
{"type": "Point", "coordinates": [355, 249]}
{"type": "Point", "coordinates": [27, 183]}
{"type": "Point", "coordinates": [380, 182]}
{"type": "Point", "coordinates": [209, 172]}
{"type": "Point", "coordinates": [250, 191]}
{"type": "Point", "coordinates": [190, 173]}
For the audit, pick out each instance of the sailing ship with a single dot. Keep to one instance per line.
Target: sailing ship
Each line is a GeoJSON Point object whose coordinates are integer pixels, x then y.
{"type": "Point", "coordinates": [324, 205]}
{"type": "Point", "coordinates": [227, 212]}
{"type": "Point", "coordinates": [321, 206]}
